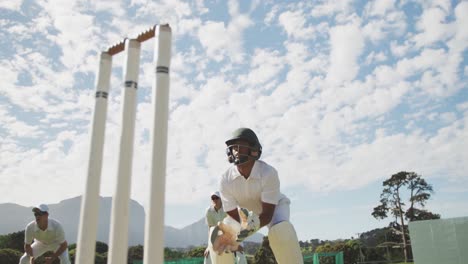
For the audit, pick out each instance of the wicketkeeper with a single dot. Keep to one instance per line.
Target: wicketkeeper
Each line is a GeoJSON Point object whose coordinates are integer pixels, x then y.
{"type": "Point", "coordinates": [254, 185]}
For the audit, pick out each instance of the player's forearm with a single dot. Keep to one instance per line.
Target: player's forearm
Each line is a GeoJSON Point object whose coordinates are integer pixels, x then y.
{"type": "Point", "coordinates": [265, 219]}
{"type": "Point", "coordinates": [235, 215]}
{"type": "Point", "coordinates": [60, 250]}
{"type": "Point", "coordinates": [28, 249]}
{"type": "Point", "coordinates": [267, 213]}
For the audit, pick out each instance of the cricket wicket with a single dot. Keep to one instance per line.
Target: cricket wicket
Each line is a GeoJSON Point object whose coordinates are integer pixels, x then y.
{"type": "Point", "coordinates": [154, 222]}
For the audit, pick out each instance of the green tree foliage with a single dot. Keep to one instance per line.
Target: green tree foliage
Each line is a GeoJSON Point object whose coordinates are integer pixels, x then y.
{"type": "Point", "coordinates": [10, 256]}
{"type": "Point", "coordinates": [100, 255]}
{"type": "Point", "coordinates": [327, 248]}
{"type": "Point", "coordinates": [420, 192]}
{"type": "Point", "coordinates": [415, 214]}
{"type": "Point", "coordinates": [264, 255]}
{"type": "Point", "coordinates": [377, 236]}
{"type": "Point", "coordinates": [308, 247]}
{"type": "Point", "coordinates": [170, 254]}
{"type": "Point", "coordinates": [13, 241]}
{"type": "Point", "coordinates": [251, 247]}
{"type": "Point", "coordinates": [100, 258]}
{"type": "Point", "coordinates": [391, 201]}
{"type": "Point", "coordinates": [71, 246]}
{"type": "Point", "coordinates": [196, 252]}
{"type": "Point", "coordinates": [135, 253]}
{"type": "Point", "coordinates": [72, 254]}
{"type": "Point", "coordinates": [350, 249]}
{"type": "Point", "coordinates": [373, 241]}
{"type": "Point", "coordinates": [101, 247]}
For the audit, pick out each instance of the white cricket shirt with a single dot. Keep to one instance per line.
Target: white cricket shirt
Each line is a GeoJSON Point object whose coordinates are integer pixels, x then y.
{"type": "Point", "coordinates": [263, 185]}
{"type": "Point", "coordinates": [212, 217]}
{"type": "Point", "coordinates": [54, 233]}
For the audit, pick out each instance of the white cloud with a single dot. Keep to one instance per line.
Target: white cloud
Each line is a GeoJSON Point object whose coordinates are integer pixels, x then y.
{"type": "Point", "coordinates": [220, 40]}
{"type": "Point", "coordinates": [189, 26]}
{"type": "Point", "coordinates": [294, 23]}
{"type": "Point", "coordinates": [214, 38]}
{"type": "Point", "coordinates": [380, 7]}
{"type": "Point", "coordinates": [432, 27]}
{"type": "Point", "coordinates": [375, 57]}
{"type": "Point", "coordinates": [11, 5]}
{"type": "Point", "coordinates": [442, 4]}
{"type": "Point", "coordinates": [399, 50]}
{"type": "Point", "coordinates": [448, 117]}
{"type": "Point", "coordinates": [427, 59]}
{"type": "Point", "coordinates": [165, 11]}
{"type": "Point", "coordinates": [347, 45]}
{"type": "Point", "coordinates": [387, 154]}
{"type": "Point", "coordinates": [271, 15]}
{"type": "Point", "coordinates": [462, 106]}
{"type": "Point", "coordinates": [266, 65]}
{"type": "Point", "coordinates": [330, 7]}
{"type": "Point", "coordinates": [384, 20]}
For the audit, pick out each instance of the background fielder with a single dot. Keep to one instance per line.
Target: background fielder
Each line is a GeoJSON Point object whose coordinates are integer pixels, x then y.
{"type": "Point", "coordinates": [48, 235]}
{"type": "Point", "coordinates": [215, 214]}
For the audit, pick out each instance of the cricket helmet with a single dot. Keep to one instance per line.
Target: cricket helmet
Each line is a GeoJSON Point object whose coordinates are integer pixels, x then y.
{"type": "Point", "coordinates": [255, 148]}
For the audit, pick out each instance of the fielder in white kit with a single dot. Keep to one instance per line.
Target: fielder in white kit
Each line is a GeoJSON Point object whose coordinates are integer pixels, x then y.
{"type": "Point", "coordinates": [215, 214]}
{"type": "Point", "coordinates": [254, 185]}
{"type": "Point", "coordinates": [48, 235]}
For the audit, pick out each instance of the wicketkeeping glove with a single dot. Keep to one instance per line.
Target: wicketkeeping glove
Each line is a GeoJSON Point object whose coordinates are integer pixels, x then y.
{"type": "Point", "coordinates": [250, 223]}
{"type": "Point", "coordinates": [224, 235]}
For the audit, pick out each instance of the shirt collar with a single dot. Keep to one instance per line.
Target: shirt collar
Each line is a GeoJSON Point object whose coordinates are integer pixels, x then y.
{"type": "Point", "coordinates": [49, 226]}
{"type": "Point", "coordinates": [253, 173]}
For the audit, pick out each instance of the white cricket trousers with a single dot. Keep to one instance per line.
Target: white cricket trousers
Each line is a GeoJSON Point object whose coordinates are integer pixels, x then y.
{"type": "Point", "coordinates": [281, 213]}
{"type": "Point", "coordinates": [207, 260]}
{"type": "Point", "coordinates": [39, 249]}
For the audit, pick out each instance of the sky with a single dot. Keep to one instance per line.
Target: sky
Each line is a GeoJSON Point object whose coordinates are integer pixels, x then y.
{"type": "Point", "coordinates": [342, 95]}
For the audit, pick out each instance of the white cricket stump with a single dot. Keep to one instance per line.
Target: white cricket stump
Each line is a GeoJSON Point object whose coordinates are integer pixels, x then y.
{"type": "Point", "coordinates": [154, 223]}
{"type": "Point", "coordinates": [118, 242]}
{"type": "Point", "coordinates": [90, 200]}
{"type": "Point", "coordinates": [87, 232]}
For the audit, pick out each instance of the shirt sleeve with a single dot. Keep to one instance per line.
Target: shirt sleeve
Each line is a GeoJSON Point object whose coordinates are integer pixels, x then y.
{"type": "Point", "coordinates": [271, 187]}
{"type": "Point", "coordinates": [28, 234]}
{"type": "Point", "coordinates": [210, 219]}
{"type": "Point", "coordinates": [229, 202]}
{"type": "Point", "coordinates": [60, 234]}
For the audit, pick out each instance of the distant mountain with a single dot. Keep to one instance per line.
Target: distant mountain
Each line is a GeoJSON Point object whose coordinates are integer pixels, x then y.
{"type": "Point", "coordinates": [68, 211]}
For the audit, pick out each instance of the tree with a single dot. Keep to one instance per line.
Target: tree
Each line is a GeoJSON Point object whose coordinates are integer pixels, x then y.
{"type": "Point", "coordinates": [101, 247]}
{"type": "Point", "coordinates": [418, 214]}
{"type": "Point", "coordinates": [100, 255]}
{"type": "Point", "coordinates": [251, 247]}
{"type": "Point", "coordinates": [170, 254]}
{"type": "Point", "coordinates": [10, 256]}
{"type": "Point", "coordinates": [350, 249]}
{"type": "Point", "coordinates": [196, 252]}
{"type": "Point", "coordinates": [391, 201]}
{"type": "Point", "coordinates": [420, 192]}
{"type": "Point", "coordinates": [13, 241]}
{"type": "Point", "coordinates": [264, 254]}
{"type": "Point", "coordinates": [135, 253]}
